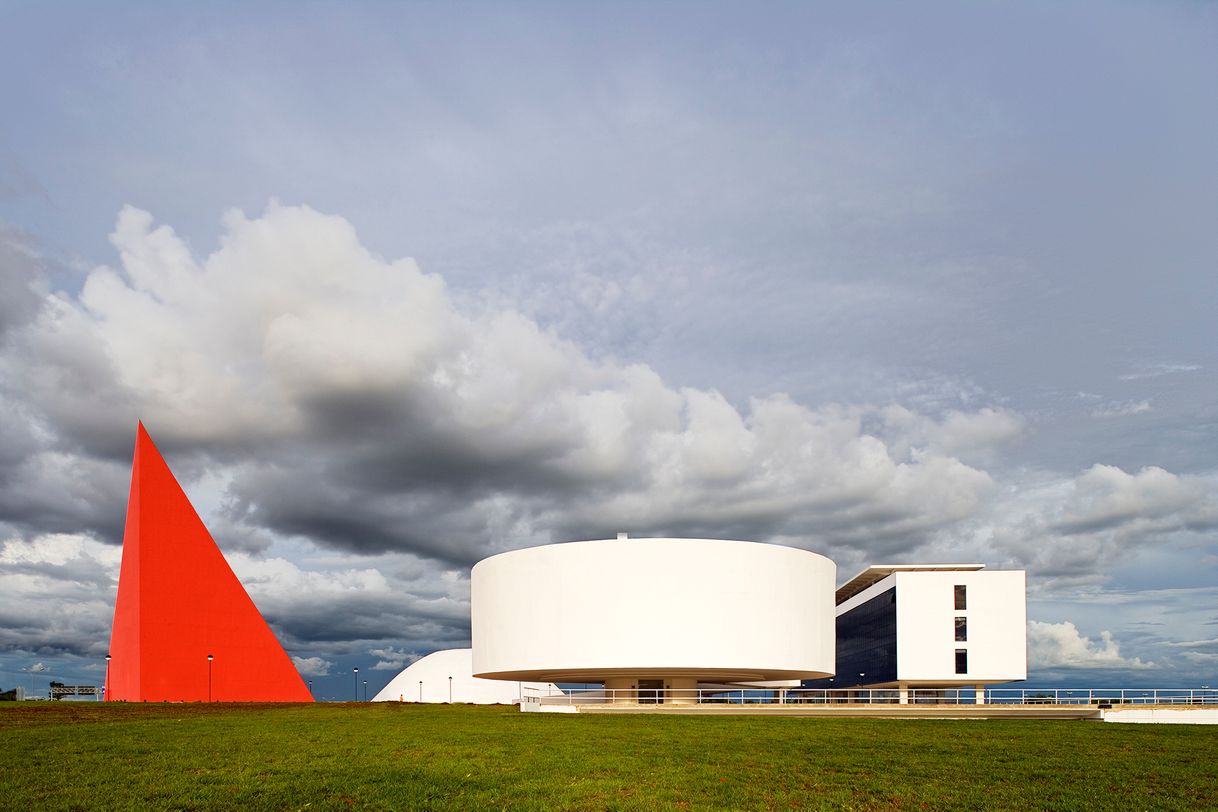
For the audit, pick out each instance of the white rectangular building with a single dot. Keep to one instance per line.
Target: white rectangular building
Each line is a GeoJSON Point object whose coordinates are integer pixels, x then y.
{"type": "Point", "coordinates": [929, 626]}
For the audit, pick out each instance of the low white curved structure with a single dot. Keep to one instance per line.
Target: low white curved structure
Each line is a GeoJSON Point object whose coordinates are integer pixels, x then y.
{"type": "Point", "coordinates": [654, 613]}
{"type": "Point", "coordinates": [446, 676]}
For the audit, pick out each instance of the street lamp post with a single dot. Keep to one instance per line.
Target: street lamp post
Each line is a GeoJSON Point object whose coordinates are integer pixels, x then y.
{"type": "Point", "coordinates": [420, 692]}
{"type": "Point", "coordinates": [355, 672]}
{"type": "Point", "coordinates": [210, 657]}
{"type": "Point", "coordinates": [106, 687]}
{"type": "Point", "coordinates": [311, 689]}
{"type": "Point", "coordinates": [450, 690]}
{"type": "Point", "coordinates": [365, 690]}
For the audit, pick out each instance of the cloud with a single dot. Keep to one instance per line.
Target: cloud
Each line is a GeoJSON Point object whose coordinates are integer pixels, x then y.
{"type": "Point", "coordinates": [38, 668]}
{"type": "Point", "coordinates": [58, 595]}
{"type": "Point", "coordinates": [1158, 370]}
{"type": "Point", "coordinates": [312, 666]}
{"type": "Point", "coordinates": [392, 659]}
{"type": "Point", "coordinates": [1108, 498]}
{"type": "Point", "coordinates": [970, 435]}
{"type": "Point", "coordinates": [353, 404]}
{"type": "Point", "coordinates": [333, 607]}
{"type": "Point", "coordinates": [1060, 645]}
{"type": "Point", "coordinates": [1210, 643]}
{"type": "Point", "coordinates": [1071, 531]}
{"type": "Point", "coordinates": [319, 401]}
{"type": "Point", "coordinates": [1197, 652]}
{"type": "Point", "coordinates": [21, 277]}
{"type": "Point", "coordinates": [1124, 408]}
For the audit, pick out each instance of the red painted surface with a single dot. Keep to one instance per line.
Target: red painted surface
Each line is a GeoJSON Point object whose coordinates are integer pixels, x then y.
{"type": "Point", "coordinates": [179, 601]}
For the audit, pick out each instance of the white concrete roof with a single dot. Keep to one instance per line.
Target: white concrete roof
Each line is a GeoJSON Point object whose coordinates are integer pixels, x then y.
{"type": "Point", "coordinates": [878, 572]}
{"type": "Point", "coordinates": [447, 676]}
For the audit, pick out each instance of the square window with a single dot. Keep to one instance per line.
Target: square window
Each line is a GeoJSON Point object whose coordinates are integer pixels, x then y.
{"type": "Point", "coordinates": [961, 596]}
{"type": "Point", "coordinates": [961, 629]}
{"type": "Point", "coordinates": [961, 661]}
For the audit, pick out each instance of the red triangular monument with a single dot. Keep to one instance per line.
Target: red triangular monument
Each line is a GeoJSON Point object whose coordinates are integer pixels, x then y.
{"type": "Point", "coordinates": [184, 628]}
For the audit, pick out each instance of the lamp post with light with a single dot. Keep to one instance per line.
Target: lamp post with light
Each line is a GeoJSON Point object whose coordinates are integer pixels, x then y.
{"type": "Point", "coordinates": [450, 690]}
{"type": "Point", "coordinates": [106, 687]}
{"type": "Point", "coordinates": [210, 657]}
{"type": "Point", "coordinates": [420, 692]}
{"type": "Point", "coordinates": [355, 677]}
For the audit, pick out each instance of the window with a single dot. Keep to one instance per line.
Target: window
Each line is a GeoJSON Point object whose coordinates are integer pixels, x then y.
{"type": "Point", "coordinates": [961, 661]}
{"type": "Point", "coordinates": [961, 629]}
{"type": "Point", "coordinates": [961, 597]}
{"type": "Point", "coordinates": [866, 643]}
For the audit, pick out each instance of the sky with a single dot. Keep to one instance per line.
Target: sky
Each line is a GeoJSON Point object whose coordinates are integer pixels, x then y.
{"type": "Point", "coordinates": [397, 286]}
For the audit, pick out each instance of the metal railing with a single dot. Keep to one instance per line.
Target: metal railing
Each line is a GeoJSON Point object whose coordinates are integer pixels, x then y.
{"type": "Point", "coordinates": [1097, 696]}
{"type": "Point", "coordinates": [874, 696]}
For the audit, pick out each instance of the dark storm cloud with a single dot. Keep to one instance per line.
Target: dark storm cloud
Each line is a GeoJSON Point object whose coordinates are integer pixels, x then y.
{"type": "Point", "coordinates": [51, 492]}
{"type": "Point", "coordinates": [58, 596]}
{"type": "Point", "coordinates": [353, 619]}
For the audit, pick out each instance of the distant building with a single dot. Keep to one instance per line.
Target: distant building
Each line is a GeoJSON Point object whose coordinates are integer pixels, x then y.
{"type": "Point", "coordinates": [928, 627]}
{"type": "Point", "coordinates": [448, 676]}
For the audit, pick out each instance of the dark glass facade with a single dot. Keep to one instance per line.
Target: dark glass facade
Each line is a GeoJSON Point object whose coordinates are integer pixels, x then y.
{"type": "Point", "coordinates": [866, 644]}
{"type": "Point", "coordinates": [961, 661]}
{"type": "Point", "coordinates": [961, 629]}
{"type": "Point", "coordinates": [961, 596]}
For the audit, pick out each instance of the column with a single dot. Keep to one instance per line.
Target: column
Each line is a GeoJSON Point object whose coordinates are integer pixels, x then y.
{"type": "Point", "coordinates": [621, 690]}
{"type": "Point", "coordinates": [681, 690]}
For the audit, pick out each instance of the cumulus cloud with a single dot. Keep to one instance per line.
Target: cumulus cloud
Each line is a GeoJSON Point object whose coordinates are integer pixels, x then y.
{"type": "Point", "coordinates": [312, 666]}
{"type": "Point", "coordinates": [1061, 645]}
{"type": "Point", "coordinates": [392, 659]}
{"type": "Point", "coordinates": [968, 435]}
{"type": "Point", "coordinates": [356, 406]}
{"type": "Point", "coordinates": [1105, 497]}
{"type": "Point", "coordinates": [324, 401]}
{"type": "Point", "coordinates": [1072, 530]}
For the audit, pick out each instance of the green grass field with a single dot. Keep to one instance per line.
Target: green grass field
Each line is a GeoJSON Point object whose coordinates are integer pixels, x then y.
{"type": "Point", "coordinates": [388, 756]}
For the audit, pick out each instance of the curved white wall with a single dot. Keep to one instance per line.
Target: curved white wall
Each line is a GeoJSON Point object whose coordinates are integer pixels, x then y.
{"type": "Point", "coordinates": [699, 608]}
{"type": "Point", "coordinates": [427, 680]}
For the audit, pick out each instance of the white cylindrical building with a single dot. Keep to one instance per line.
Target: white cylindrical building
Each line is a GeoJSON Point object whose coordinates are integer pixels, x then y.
{"type": "Point", "coordinates": [658, 613]}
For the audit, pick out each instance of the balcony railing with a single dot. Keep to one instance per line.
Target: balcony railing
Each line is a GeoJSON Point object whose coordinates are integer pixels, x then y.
{"type": "Point", "coordinates": [876, 696]}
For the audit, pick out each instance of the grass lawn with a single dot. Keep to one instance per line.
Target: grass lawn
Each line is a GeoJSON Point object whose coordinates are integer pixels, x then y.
{"type": "Point", "coordinates": [388, 756]}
